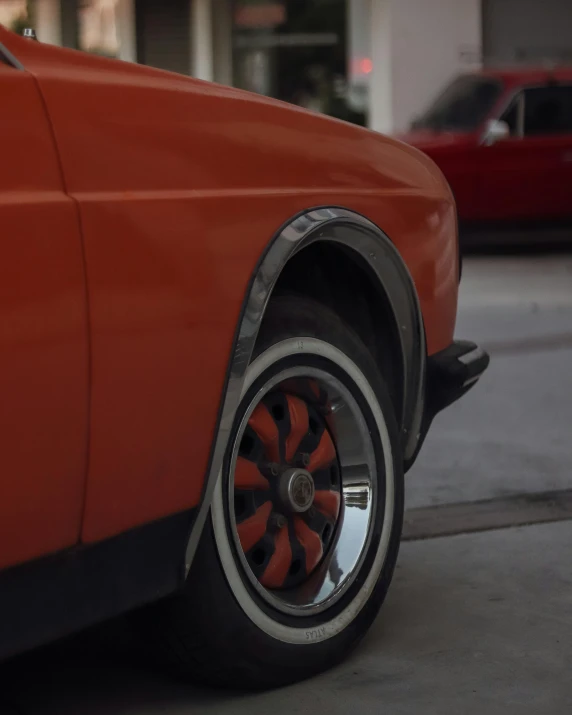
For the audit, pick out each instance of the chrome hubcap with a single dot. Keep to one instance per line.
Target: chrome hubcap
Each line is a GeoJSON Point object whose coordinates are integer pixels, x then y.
{"type": "Point", "coordinates": [302, 490]}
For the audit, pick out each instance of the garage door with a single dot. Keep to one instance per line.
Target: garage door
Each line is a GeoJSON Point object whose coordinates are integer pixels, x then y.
{"type": "Point", "coordinates": [527, 31]}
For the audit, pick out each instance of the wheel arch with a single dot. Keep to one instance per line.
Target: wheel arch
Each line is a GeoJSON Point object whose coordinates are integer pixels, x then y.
{"type": "Point", "coordinates": [372, 255]}
{"type": "Point", "coordinates": [339, 278]}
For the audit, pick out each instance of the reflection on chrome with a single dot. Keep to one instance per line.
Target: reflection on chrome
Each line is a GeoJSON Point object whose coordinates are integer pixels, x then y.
{"type": "Point", "coordinates": [336, 406]}
{"type": "Point", "coordinates": [357, 496]}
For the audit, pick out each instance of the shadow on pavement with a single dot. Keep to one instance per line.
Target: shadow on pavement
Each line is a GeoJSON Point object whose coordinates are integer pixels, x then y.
{"type": "Point", "coordinates": [96, 672]}
{"type": "Point", "coordinates": [473, 623]}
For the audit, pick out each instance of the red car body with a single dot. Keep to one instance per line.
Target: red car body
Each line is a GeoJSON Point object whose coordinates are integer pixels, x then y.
{"type": "Point", "coordinates": [169, 247]}
{"type": "Point", "coordinates": [522, 182]}
{"type": "Point", "coordinates": [150, 224]}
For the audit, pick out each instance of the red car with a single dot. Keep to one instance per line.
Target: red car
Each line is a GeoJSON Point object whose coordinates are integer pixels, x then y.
{"type": "Point", "coordinates": [226, 324]}
{"type": "Point", "coordinates": [503, 139]}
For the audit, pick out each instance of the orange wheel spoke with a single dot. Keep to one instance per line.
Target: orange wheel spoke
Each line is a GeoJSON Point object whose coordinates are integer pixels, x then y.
{"type": "Point", "coordinates": [311, 542]}
{"type": "Point", "coordinates": [248, 476]}
{"type": "Point", "coordinates": [299, 421]}
{"type": "Point", "coordinates": [262, 423]}
{"type": "Point", "coordinates": [251, 530]}
{"type": "Point", "coordinates": [287, 498]}
{"type": "Point", "coordinates": [324, 454]}
{"type": "Point", "coordinates": [278, 566]}
{"type": "Point", "coordinates": [328, 503]}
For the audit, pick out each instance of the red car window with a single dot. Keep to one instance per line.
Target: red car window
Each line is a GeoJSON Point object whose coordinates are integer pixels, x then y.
{"type": "Point", "coordinates": [463, 105]}
{"type": "Point", "coordinates": [548, 110]}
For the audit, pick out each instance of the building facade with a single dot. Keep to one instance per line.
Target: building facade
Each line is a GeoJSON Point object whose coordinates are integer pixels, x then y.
{"type": "Point", "coordinates": [373, 62]}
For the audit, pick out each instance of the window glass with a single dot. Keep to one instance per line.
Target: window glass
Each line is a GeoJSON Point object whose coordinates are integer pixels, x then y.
{"type": "Point", "coordinates": [548, 110]}
{"type": "Point", "coordinates": [463, 105]}
{"type": "Point", "coordinates": [297, 51]}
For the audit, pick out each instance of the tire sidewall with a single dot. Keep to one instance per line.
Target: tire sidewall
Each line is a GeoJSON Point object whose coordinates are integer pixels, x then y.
{"type": "Point", "coordinates": [307, 329]}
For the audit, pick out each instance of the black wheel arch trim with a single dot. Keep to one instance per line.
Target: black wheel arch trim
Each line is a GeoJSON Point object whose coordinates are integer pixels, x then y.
{"type": "Point", "coordinates": [7, 57]}
{"type": "Point", "coordinates": [356, 233]}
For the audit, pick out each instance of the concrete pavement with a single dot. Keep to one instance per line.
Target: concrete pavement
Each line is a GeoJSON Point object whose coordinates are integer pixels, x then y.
{"type": "Point", "coordinates": [512, 433]}
{"type": "Point", "coordinates": [473, 624]}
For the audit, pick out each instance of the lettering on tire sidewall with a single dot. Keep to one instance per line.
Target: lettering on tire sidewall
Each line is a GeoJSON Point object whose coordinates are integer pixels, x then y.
{"type": "Point", "coordinates": [316, 634]}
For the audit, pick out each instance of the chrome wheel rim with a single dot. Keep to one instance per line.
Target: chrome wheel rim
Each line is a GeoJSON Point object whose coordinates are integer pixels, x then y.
{"type": "Point", "coordinates": [283, 481]}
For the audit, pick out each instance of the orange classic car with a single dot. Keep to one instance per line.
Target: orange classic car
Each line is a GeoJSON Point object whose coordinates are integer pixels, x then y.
{"type": "Point", "coordinates": [226, 326]}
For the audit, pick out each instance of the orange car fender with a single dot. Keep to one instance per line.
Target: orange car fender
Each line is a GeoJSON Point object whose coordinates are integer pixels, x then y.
{"type": "Point", "coordinates": [361, 237]}
{"type": "Point", "coordinates": [180, 187]}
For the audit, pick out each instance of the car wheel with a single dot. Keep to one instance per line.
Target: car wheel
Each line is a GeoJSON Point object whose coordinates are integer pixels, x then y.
{"type": "Point", "coordinates": [307, 514]}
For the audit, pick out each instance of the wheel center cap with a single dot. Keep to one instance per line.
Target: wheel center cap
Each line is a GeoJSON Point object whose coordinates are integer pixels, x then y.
{"type": "Point", "coordinates": [297, 490]}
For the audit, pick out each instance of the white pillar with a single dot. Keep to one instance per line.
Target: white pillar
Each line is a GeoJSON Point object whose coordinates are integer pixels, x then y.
{"type": "Point", "coordinates": [202, 65]}
{"type": "Point", "coordinates": [381, 83]}
{"type": "Point", "coordinates": [126, 30]}
{"type": "Point", "coordinates": [48, 21]}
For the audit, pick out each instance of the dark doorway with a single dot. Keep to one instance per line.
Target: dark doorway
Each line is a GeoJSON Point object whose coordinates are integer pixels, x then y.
{"type": "Point", "coordinates": [163, 34]}
{"type": "Point", "coordinates": [301, 59]}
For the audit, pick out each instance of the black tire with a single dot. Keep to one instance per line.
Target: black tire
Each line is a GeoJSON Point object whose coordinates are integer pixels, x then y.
{"type": "Point", "coordinates": [204, 631]}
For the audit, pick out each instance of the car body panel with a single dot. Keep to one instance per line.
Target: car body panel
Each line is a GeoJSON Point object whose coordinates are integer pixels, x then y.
{"type": "Point", "coordinates": [513, 180]}
{"type": "Point", "coordinates": [44, 361]}
{"type": "Point", "coordinates": [181, 186]}
{"type": "Point", "coordinates": [526, 183]}
{"type": "Point", "coordinates": [172, 236]}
